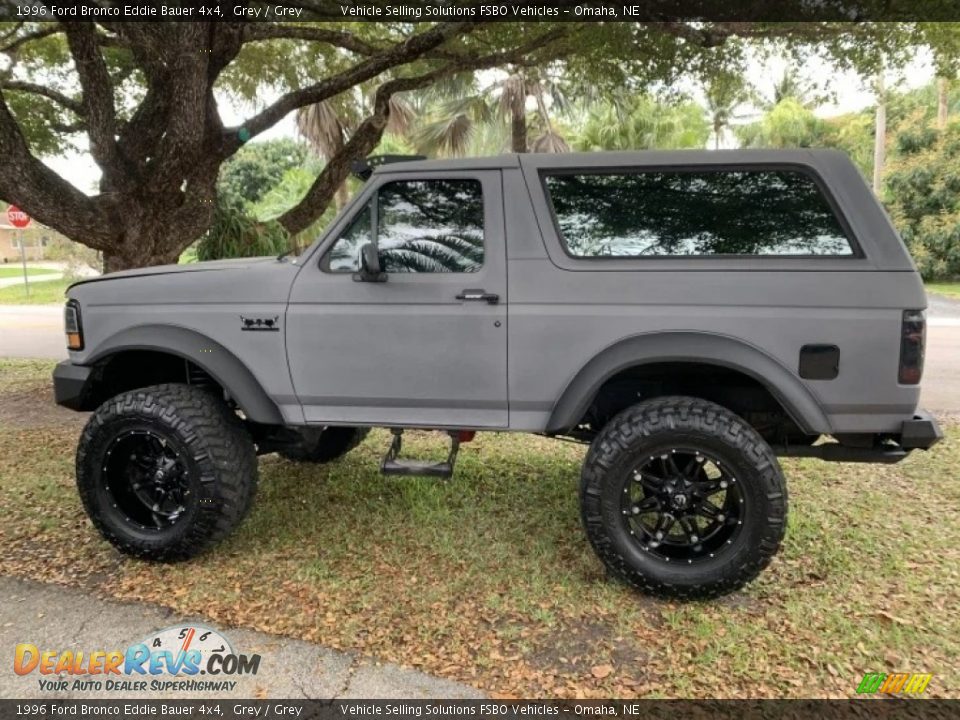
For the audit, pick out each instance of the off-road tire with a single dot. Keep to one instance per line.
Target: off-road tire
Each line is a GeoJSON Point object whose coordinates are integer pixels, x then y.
{"type": "Point", "coordinates": [326, 445]}
{"type": "Point", "coordinates": [630, 438]}
{"type": "Point", "coordinates": [213, 444]}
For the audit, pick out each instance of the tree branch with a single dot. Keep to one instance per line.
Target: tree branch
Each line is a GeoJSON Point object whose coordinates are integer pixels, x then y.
{"type": "Point", "coordinates": [17, 43]}
{"type": "Point", "coordinates": [42, 193]}
{"type": "Point", "coordinates": [404, 52]}
{"type": "Point", "coordinates": [49, 93]}
{"type": "Point", "coordinates": [258, 32]}
{"type": "Point", "coordinates": [98, 105]}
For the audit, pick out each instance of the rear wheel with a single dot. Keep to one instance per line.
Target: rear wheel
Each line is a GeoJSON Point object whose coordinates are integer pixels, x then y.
{"type": "Point", "coordinates": [165, 472]}
{"type": "Point", "coordinates": [324, 444]}
{"type": "Point", "coordinates": [682, 498]}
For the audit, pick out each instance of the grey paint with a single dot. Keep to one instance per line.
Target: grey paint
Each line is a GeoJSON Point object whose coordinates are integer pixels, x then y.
{"type": "Point", "coordinates": [407, 353]}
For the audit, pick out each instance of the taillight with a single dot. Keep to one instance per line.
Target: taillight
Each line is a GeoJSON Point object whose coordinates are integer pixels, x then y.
{"type": "Point", "coordinates": [72, 325]}
{"type": "Point", "coordinates": [913, 333]}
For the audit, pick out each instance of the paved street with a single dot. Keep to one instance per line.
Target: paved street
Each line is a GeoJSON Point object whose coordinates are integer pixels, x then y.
{"type": "Point", "coordinates": [37, 331]}
{"type": "Point", "coordinates": [58, 618]}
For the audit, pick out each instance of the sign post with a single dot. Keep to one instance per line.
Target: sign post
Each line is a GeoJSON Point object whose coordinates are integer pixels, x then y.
{"type": "Point", "coordinates": [20, 220]}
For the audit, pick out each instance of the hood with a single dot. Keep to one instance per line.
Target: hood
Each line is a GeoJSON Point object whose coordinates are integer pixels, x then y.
{"type": "Point", "coordinates": [205, 266]}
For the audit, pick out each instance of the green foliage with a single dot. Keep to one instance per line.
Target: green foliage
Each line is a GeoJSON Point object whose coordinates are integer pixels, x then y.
{"type": "Point", "coordinates": [236, 234]}
{"type": "Point", "coordinates": [641, 122]}
{"type": "Point", "coordinates": [853, 134]}
{"type": "Point", "coordinates": [257, 169]}
{"type": "Point", "coordinates": [287, 193]}
{"type": "Point", "coordinates": [786, 124]}
{"type": "Point", "coordinates": [923, 194]}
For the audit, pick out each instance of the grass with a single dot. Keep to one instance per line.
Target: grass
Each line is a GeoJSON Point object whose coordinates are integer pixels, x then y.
{"type": "Point", "coordinates": [950, 289]}
{"type": "Point", "coordinates": [9, 271]}
{"type": "Point", "coordinates": [488, 579]}
{"type": "Point", "coordinates": [41, 293]}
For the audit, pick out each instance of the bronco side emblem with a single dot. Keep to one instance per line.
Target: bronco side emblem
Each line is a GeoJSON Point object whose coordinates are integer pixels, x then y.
{"type": "Point", "coordinates": [264, 324]}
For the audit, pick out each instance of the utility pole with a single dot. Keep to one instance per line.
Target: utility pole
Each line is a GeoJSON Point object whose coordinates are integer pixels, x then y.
{"type": "Point", "coordinates": [23, 261]}
{"type": "Point", "coordinates": [880, 134]}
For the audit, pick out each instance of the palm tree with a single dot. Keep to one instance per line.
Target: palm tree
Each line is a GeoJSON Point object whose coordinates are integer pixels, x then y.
{"type": "Point", "coordinates": [640, 122]}
{"type": "Point", "coordinates": [790, 86]}
{"type": "Point", "coordinates": [725, 92]}
{"type": "Point", "coordinates": [461, 111]}
{"type": "Point", "coordinates": [326, 125]}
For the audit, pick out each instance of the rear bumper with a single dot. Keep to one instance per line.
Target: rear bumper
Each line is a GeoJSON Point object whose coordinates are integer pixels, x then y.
{"type": "Point", "coordinates": [70, 383]}
{"type": "Point", "coordinates": [921, 432]}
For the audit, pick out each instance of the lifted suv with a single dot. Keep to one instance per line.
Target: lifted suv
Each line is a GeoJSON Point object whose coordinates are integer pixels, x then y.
{"type": "Point", "coordinates": [690, 315]}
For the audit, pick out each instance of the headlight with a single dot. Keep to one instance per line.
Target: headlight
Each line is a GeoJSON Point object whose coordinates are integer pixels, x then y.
{"type": "Point", "coordinates": [72, 325]}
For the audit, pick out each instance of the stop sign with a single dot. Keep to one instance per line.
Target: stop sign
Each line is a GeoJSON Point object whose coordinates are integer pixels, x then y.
{"type": "Point", "coordinates": [17, 217]}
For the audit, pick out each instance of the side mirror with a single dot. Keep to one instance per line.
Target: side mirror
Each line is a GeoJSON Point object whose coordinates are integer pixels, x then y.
{"type": "Point", "coordinates": [370, 265]}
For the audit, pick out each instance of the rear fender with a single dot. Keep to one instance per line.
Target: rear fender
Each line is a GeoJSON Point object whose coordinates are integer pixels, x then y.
{"type": "Point", "coordinates": [721, 350]}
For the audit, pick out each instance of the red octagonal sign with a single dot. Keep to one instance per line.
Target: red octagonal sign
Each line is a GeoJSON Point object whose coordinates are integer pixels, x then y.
{"type": "Point", "coordinates": [17, 217]}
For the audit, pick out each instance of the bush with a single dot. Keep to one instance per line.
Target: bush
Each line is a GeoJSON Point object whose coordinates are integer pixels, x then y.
{"type": "Point", "coordinates": [235, 234]}
{"type": "Point", "coordinates": [922, 192]}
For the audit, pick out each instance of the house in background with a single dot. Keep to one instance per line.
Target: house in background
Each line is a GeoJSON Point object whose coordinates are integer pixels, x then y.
{"type": "Point", "coordinates": [36, 239]}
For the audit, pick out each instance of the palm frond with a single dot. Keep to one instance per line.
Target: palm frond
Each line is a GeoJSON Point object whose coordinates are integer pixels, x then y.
{"type": "Point", "coordinates": [549, 142]}
{"type": "Point", "coordinates": [320, 126]}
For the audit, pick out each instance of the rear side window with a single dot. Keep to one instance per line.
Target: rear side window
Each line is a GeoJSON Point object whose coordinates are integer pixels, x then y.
{"type": "Point", "coordinates": [695, 213]}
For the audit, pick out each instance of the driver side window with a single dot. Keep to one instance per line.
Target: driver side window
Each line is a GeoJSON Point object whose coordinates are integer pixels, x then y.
{"type": "Point", "coordinates": [422, 226]}
{"type": "Point", "coordinates": [344, 256]}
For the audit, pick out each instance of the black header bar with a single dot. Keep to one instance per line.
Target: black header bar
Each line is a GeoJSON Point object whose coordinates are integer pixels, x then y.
{"type": "Point", "coordinates": [482, 10]}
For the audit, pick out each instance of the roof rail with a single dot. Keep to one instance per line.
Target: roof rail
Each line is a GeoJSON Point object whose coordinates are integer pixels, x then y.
{"type": "Point", "coordinates": [363, 169]}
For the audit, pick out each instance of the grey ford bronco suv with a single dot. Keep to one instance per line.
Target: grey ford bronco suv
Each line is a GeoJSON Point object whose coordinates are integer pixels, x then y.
{"type": "Point", "coordinates": [689, 315]}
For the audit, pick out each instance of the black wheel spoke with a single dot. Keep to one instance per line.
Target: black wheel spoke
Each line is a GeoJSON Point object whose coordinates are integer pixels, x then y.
{"type": "Point", "coordinates": [690, 530]}
{"type": "Point", "coordinates": [671, 466]}
{"type": "Point", "coordinates": [710, 511]}
{"type": "Point", "coordinates": [147, 479]}
{"type": "Point", "coordinates": [648, 481]}
{"type": "Point", "coordinates": [648, 504]}
{"type": "Point", "coordinates": [665, 522]}
{"type": "Point", "coordinates": [684, 504]}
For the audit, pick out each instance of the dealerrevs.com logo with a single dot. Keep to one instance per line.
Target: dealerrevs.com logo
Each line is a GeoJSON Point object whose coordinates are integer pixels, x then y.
{"type": "Point", "coordinates": [183, 658]}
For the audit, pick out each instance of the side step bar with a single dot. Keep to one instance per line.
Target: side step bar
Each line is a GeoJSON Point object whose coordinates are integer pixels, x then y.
{"type": "Point", "coordinates": [886, 453]}
{"type": "Point", "coordinates": [393, 465]}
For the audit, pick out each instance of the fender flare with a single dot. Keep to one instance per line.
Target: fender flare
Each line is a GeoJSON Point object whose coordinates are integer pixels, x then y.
{"type": "Point", "coordinates": [688, 346]}
{"type": "Point", "coordinates": [221, 364]}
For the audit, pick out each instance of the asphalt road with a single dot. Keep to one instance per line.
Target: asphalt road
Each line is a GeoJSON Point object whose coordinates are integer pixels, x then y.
{"type": "Point", "coordinates": [37, 331]}
{"type": "Point", "coordinates": [60, 618]}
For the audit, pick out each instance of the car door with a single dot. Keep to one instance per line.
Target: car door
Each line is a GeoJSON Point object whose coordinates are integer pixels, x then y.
{"type": "Point", "coordinates": [428, 346]}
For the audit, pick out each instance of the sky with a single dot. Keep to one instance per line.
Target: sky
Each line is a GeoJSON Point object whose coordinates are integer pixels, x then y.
{"type": "Point", "coordinates": [851, 93]}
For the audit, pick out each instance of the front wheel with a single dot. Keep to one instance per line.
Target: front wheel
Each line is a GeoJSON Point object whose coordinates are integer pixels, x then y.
{"type": "Point", "coordinates": [681, 498]}
{"type": "Point", "coordinates": [164, 472]}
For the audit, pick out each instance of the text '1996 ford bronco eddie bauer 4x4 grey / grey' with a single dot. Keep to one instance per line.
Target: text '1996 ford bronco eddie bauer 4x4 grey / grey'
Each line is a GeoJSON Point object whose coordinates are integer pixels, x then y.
{"type": "Point", "coordinates": [690, 315]}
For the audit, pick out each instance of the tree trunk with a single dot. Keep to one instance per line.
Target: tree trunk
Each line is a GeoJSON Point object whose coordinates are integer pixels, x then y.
{"type": "Point", "coordinates": [137, 255]}
{"type": "Point", "coordinates": [880, 135]}
{"type": "Point", "coordinates": [518, 132]}
{"type": "Point", "coordinates": [942, 85]}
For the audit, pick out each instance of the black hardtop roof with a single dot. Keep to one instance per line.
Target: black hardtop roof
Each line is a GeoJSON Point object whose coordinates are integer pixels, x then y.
{"type": "Point", "coordinates": [639, 158]}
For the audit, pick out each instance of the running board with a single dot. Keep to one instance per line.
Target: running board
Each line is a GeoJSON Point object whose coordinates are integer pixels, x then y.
{"type": "Point", "coordinates": [393, 465]}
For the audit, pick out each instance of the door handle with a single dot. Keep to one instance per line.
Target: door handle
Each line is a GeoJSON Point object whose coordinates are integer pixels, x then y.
{"type": "Point", "coordinates": [479, 295]}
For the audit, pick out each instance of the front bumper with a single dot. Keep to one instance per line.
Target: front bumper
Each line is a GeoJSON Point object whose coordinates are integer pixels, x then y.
{"type": "Point", "coordinates": [70, 384]}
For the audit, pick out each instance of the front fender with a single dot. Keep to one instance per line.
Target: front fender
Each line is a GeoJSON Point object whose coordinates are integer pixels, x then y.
{"type": "Point", "coordinates": [218, 362]}
{"type": "Point", "coordinates": [688, 346]}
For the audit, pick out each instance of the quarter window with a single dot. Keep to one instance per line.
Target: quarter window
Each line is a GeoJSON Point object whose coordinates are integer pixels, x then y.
{"type": "Point", "coordinates": [422, 226]}
{"type": "Point", "coordinates": [695, 213]}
